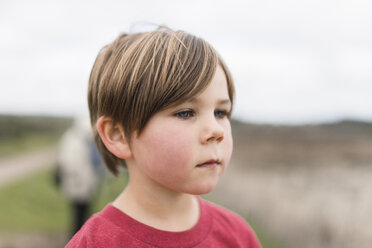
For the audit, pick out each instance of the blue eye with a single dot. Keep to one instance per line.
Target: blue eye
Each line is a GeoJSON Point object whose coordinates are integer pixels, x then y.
{"type": "Point", "coordinates": [220, 114]}
{"type": "Point", "coordinates": [185, 114]}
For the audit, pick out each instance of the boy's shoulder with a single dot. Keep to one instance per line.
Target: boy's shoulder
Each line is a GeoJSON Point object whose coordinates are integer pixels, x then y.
{"type": "Point", "coordinates": [224, 215]}
{"type": "Point", "coordinates": [228, 223]}
{"type": "Point", "coordinates": [102, 230]}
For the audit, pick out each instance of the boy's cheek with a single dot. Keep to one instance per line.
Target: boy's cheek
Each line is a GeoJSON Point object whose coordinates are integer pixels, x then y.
{"type": "Point", "coordinates": [179, 151]}
{"type": "Point", "coordinates": [172, 149]}
{"type": "Point", "coordinates": [171, 160]}
{"type": "Point", "coordinates": [228, 147]}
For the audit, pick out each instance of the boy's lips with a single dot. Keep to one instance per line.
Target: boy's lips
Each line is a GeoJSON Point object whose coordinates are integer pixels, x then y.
{"type": "Point", "coordinates": [209, 163]}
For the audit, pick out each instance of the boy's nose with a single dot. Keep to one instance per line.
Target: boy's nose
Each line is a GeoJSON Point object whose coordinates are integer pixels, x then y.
{"type": "Point", "coordinates": [212, 132]}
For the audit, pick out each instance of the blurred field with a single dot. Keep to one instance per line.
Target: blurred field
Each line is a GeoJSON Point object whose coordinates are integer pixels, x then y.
{"type": "Point", "coordinates": [298, 186]}
{"type": "Point", "coordinates": [25, 133]}
{"type": "Point", "coordinates": [34, 213]}
{"type": "Point", "coordinates": [307, 186]}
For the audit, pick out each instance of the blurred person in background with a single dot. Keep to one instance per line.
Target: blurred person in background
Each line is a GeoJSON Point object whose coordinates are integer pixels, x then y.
{"type": "Point", "coordinates": [80, 170]}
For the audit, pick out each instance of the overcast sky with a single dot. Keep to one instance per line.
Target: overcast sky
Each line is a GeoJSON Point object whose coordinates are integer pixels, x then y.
{"type": "Point", "coordinates": [292, 61]}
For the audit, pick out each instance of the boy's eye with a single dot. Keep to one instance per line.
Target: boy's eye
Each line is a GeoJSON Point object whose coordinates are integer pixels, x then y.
{"type": "Point", "coordinates": [185, 114]}
{"type": "Point", "coordinates": [220, 114]}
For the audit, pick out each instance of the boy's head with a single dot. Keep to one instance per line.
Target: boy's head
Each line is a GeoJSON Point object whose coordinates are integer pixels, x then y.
{"type": "Point", "coordinates": [141, 74]}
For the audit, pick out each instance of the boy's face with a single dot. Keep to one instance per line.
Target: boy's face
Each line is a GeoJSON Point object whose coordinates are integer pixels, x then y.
{"type": "Point", "coordinates": [187, 147]}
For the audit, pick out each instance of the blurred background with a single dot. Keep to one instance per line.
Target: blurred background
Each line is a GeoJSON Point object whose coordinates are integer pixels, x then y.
{"type": "Point", "coordinates": [302, 123]}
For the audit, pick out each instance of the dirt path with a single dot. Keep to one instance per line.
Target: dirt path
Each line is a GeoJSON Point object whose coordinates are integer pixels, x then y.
{"type": "Point", "coordinates": [16, 168]}
{"type": "Point", "coordinates": [20, 166]}
{"type": "Point", "coordinates": [32, 240]}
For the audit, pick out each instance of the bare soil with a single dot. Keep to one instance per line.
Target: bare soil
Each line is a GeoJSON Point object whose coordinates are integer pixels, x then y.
{"type": "Point", "coordinates": [32, 240]}
{"type": "Point", "coordinates": [22, 165]}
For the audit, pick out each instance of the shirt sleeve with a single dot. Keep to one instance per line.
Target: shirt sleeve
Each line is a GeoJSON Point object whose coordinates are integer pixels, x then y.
{"type": "Point", "coordinates": [77, 242]}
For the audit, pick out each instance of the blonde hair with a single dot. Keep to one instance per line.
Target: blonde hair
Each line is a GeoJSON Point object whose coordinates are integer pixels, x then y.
{"type": "Point", "coordinates": [142, 73]}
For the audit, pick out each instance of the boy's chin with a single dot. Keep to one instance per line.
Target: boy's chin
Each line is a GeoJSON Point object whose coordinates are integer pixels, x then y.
{"type": "Point", "coordinates": [203, 189]}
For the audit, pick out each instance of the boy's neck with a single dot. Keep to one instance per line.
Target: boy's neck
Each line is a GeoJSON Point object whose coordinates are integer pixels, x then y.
{"type": "Point", "coordinates": [159, 207]}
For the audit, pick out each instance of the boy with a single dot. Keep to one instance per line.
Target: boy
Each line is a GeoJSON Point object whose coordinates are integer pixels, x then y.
{"type": "Point", "coordinates": [160, 104]}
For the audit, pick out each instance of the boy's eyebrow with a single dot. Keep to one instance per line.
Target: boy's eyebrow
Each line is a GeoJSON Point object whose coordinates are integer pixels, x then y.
{"type": "Point", "coordinates": [220, 101]}
{"type": "Point", "coordinates": [224, 101]}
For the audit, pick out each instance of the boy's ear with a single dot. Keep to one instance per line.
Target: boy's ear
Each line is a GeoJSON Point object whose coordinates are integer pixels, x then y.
{"type": "Point", "coordinates": [113, 137]}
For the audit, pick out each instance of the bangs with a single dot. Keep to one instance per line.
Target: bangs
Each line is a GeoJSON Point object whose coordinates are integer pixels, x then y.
{"type": "Point", "coordinates": [163, 68]}
{"type": "Point", "coordinates": [189, 69]}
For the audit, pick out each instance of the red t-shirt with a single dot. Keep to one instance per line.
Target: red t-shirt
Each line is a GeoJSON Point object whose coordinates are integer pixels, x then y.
{"type": "Point", "coordinates": [217, 227]}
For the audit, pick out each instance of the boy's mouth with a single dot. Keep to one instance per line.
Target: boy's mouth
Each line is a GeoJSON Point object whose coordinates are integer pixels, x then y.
{"type": "Point", "coordinates": [210, 163]}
